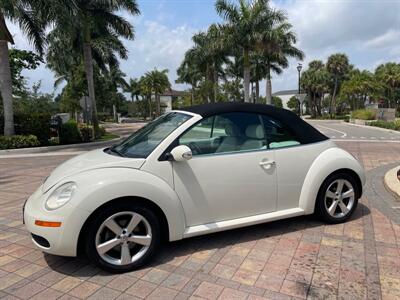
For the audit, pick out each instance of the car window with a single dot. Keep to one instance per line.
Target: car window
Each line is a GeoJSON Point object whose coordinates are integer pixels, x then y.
{"type": "Point", "coordinates": [145, 140]}
{"type": "Point", "coordinates": [225, 133]}
{"type": "Point", "coordinates": [278, 135]}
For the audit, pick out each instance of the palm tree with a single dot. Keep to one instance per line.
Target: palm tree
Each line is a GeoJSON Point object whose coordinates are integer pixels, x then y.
{"type": "Point", "coordinates": [277, 46]}
{"type": "Point", "coordinates": [93, 24]}
{"type": "Point", "coordinates": [157, 82]}
{"type": "Point", "coordinates": [207, 56]}
{"type": "Point", "coordinates": [389, 74]}
{"type": "Point", "coordinates": [360, 86]}
{"type": "Point", "coordinates": [244, 26]}
{"type": "Point", "coordinates": [315, 82]}
{"type": "Point", "coordinates": [338, 66]}
{"type": "Point", "coordinates": [27, 14]}
{"type": "Point", "coordinates": [133, 88]}
{"type": "Point", "coordinates": [189, 73]}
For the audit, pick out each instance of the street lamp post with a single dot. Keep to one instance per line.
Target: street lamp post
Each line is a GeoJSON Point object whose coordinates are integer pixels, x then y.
{"type": "Point", "coordinates": [299, 67]}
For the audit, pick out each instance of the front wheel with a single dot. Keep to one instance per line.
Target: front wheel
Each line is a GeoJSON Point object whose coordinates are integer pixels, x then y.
{"type": "Point", "coordinates": [123, 237]}
{"type": "Point", "coordinates": [337, 198]}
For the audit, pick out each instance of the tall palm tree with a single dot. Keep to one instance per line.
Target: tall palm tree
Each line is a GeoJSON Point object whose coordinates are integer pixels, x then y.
{"type": "Point", "coordinates": [244, 26]}
{"type": "Point", "coordinates": [133, 88]}
{"type": "Point", "coordinates": [208, 55]}
{"type": "Point", "coordinates": [389, 74]}
{"type": "Point", "coordinates": [315, 81]}
{"type": "Point", "coordinates": [158, 82]}
{"type": "Point", "coordinates": [26, 13]}
{"type": "Point", "coordinates": [189, 73]}
{"type": "Point", "coordinates": [277, 46]}
{"type": "Point", "coordinates": [94, 23]}
{"type": "Point", "coordinates": [338, 66]}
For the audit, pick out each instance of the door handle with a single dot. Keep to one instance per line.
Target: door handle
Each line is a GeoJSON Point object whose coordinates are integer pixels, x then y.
{"type": "Point", "coordinates": [267, 164]}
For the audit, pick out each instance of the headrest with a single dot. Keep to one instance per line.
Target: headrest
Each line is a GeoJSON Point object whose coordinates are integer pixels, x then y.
{"type": "Point", "coordinates": [231, 130]}
{"type": "Point", "coordinates": [255, 132]}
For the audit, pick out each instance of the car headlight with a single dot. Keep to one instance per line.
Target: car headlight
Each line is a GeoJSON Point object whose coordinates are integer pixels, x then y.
{"type": "Point", "coordinates": [60, 196]}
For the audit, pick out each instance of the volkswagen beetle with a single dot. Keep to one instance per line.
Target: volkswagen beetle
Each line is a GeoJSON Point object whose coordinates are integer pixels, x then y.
{"type": "Point", "coordinates": [190, 172]}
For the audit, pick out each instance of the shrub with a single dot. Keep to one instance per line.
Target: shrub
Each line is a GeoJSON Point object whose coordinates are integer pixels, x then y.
{"type": "Point", "coordinates": [102, 131]}
{"type": "Point", "coordinates": [37, 124]}
{"type": "Point", "coordinates": [363, 114]}
{"type": "Point", "coordinates": [69, 133]}
{"type": "Point", "coordinates": [18, 141]}
{"type": "Point", "coordinates": [86, 132]}
{"type": "Point", "coordinates": [394, 125]}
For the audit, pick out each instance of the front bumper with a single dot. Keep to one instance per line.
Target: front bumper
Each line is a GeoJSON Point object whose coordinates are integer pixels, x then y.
{"type": "Point", "coordinates": [62, 240]}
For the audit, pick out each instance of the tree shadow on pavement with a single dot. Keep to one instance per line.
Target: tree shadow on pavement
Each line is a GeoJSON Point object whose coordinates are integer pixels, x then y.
{"type": "Point", "coordinates": [296, 227]}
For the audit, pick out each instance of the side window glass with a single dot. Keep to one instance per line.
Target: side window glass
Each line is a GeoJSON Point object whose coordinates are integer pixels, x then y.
{"type": "Point", "coordinates": [226, 133]}
{"type": "Point", "coordinates": [278, 135]}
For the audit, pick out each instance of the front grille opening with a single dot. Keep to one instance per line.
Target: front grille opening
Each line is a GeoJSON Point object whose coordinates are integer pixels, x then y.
{"type": "Point", "coordinates": [41, 241]}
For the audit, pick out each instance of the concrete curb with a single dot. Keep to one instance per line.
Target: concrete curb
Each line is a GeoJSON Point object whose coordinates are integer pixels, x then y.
{"type": "Point", "coordinates": [391, 181]}
{"type": "Point", "coordinates": [324, 121]}
{"type": "Point", "coordinates": [374, 127]}
{"type": "Point", "coordinates": [76, 147]}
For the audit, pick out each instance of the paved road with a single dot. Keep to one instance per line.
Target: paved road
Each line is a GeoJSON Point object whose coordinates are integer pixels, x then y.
{"type": "Point", "coordinates": [291, 259]}
{"type": "Point", "coordinates": [345, 131]}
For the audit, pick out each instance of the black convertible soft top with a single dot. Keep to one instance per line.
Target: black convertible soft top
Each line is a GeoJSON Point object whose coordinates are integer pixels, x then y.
{"type": "Point", "coordinates": [304, 131]}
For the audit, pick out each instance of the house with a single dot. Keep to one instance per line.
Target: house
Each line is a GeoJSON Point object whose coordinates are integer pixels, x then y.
{"type": "Point", "coordinates": [285, 96]}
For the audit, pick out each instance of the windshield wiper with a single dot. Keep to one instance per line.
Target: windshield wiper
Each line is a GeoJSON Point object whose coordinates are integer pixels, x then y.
{"type": "Point", "coordinates": [113, 150]}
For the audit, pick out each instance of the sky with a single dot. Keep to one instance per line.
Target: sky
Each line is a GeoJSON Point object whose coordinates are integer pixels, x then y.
{"type": "Point", "coordinates": [368, 31]}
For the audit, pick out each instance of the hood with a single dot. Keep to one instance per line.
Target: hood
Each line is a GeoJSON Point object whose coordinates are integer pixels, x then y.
{"type": "Point", "coordinates": [89, 161]}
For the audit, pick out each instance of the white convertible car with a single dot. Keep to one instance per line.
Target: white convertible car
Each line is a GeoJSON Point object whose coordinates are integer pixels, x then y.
{"type": "Point", "coordinates": [194, 171]}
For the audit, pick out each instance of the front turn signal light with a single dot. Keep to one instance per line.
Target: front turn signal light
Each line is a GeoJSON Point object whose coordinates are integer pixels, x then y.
{"type": "Point", "coordinates": [47, 223]}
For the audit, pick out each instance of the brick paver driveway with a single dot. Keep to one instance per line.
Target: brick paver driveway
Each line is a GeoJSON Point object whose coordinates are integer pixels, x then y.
{"type": "Point", "coordinates": [296, 258]}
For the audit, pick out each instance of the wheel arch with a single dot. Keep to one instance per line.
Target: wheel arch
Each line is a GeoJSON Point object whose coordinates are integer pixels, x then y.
{"type": "Point", "coordinates": [330, 161]}
{"type": "Point", "coordinates": [137, 200]}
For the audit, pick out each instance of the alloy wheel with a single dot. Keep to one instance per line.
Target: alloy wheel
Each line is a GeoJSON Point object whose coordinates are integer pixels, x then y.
{"type": "Point", "coordinates": [123, 238]}
{"type": "Point", "coordinates": [339, 198]}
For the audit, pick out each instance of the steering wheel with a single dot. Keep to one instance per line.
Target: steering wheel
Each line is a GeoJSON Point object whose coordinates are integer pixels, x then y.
{"type": "Point", "coordinates": [195, 148]}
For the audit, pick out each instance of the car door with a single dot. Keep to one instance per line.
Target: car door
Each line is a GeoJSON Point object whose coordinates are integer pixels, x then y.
{"type": "Point", "coordinates": [231, 174]}
{"type": "Point", "coordinates": [293, 160]}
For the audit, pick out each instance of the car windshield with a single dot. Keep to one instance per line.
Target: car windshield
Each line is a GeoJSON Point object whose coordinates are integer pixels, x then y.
{"type": "Point", "coordinates": [145, 140]}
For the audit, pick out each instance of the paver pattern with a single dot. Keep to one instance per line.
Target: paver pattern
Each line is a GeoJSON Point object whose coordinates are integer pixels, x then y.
{"type": "Point", "coordinates": [291, 259]}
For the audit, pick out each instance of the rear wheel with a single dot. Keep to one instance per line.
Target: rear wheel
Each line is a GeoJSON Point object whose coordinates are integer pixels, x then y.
{"type": "Point", "coordinates": [337, 198]}
{"type": "Point", "coordinates": [123, 237]}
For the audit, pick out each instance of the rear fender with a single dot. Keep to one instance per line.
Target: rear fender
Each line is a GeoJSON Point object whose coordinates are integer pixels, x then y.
{"type": "Point", "coordinates": [326, 163]}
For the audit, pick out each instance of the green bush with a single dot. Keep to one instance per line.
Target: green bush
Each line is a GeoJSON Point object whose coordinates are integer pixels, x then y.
{"type": "Point", "coordinates": [18, 141]}
{"type": "Point", "coordinates": [363, 114]}
{"type": "Point", "coordinates": [394, 125]}
{"type": "Point", "coordinates": [37, 124]}
{"type": "Point", "coordinates": [86, 132]}
{"type": "Point", "coordinates": [69, 133]}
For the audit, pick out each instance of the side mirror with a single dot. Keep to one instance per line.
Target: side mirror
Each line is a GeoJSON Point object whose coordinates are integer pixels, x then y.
{"type": "Point", "coordinates": [181, 153]}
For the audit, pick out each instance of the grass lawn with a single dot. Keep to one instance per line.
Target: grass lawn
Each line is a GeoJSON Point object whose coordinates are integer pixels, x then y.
{"type": "Point", "coordinates": [108, 136]}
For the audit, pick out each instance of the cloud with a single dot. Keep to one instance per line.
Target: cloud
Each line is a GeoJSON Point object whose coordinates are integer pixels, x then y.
{"type": "Point", "coordinates": [157, 46]}
{"type": "Point", "coordinates": [367, 31]}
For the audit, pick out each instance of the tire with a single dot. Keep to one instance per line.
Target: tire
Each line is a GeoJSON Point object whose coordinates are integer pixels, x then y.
{"type": "Point", "coordinates": [328, 195]}
{"type": "Point", "coordinates": [110, 228]}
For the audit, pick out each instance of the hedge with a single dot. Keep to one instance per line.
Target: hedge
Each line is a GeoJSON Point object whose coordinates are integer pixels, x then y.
{"type": "Point", "coordinates": [18, 141]}
{"type": "Point", "coordinates": [69, 133]}
{"type": "Point", "coordinates": [363, 114]}
{"type": "Point", "coordinates": [37, 124]}
{"type": "Point", "coordinates": [394, 125]}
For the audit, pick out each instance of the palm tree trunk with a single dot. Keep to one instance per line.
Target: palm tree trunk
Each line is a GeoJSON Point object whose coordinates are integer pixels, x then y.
{"type": "Point", "coordinates": [215, 81]}
{"type": "Point", "coordinates": [150, 107]}
{"type": "Point", "coordinates": [158, 104]}
{"type": "Point", "coordinates": [257, 91]}
{"type": "Point", "coordinates": [333, 100]}
{"type": "Point", "coordinates": [6, 89]}
{"type": "Point", "coordinates": [246, 75]}
{"type": "Point", "coordinates": [88, 61]}
{"type": "Point", "coordinates": [268, 92]}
